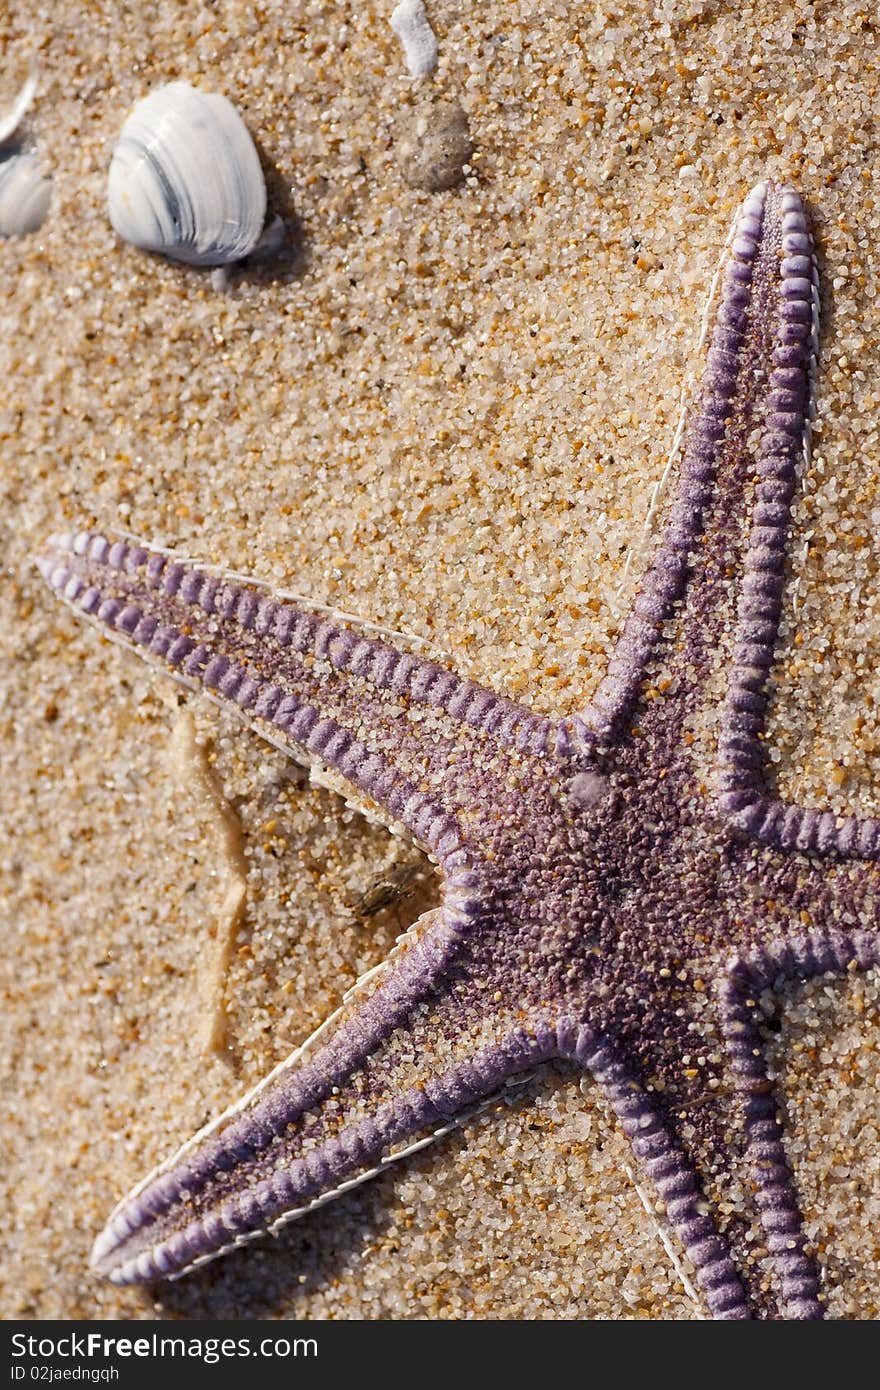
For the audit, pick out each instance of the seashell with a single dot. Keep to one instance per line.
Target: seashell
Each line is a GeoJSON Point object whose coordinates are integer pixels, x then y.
{"type": "Point", "coordinates": [25, 192]}
{"type": "Point", "coordinates": [25, 186]}
{"type": "Point", "coordinates": [185, 178]}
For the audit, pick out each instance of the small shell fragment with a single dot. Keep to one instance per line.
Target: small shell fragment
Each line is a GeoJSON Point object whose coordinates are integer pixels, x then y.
{"type": "Point", "coordinates": [185, 178]}
{"type": "Point", "coordinates": [12, 120]}
{"type": "Point", "coordinates": [25, 192]}
{"type": "Point", "coordinates": [410, 22]}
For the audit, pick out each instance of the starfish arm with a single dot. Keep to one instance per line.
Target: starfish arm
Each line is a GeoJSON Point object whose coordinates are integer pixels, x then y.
{"type": "Point", "coordinates": [663, 1160]}
{"type": "Point", "coordinates": [756, 385]}
{"type": "Point", "coordinates": [320, 1124]}
{"type": "Point", "coordinates": [749, 433]}
{"type": "Point", "coordinates": [740, 763]}
{"type": "Point", "coordinates": [786, 825]}
{"type": "Point", "coordinates": [387, 722]}
{"type": "Point", "coordinates": [819, 953]}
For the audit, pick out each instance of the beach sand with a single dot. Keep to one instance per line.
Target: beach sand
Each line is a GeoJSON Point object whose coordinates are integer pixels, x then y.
{"type": "Point", "coordinates": [444, 412]}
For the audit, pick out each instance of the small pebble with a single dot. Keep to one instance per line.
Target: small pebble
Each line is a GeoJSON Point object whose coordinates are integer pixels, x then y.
{"type": "Point", "coordinates": [436, 147]}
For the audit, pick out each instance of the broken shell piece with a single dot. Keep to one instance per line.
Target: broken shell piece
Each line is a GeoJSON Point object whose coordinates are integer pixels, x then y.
{"type": "Point", "coordinates": [410, 22]}
{"type": "Point", "coordinates": [12, 120]}
{"type": "Point", "coordinates": [436, 147]}
{"type": "Point", "coordinates": [185, 178]}
{"type": "Point", "coordinates": [25, 192]}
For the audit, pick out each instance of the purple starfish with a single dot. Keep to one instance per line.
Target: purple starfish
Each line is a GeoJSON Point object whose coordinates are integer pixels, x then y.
{"type": "Point", "coordinates": [600, 903]}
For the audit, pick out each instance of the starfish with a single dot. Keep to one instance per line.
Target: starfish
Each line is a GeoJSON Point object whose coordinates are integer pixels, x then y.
{"type": "Point", "coordinates": [605, 898]}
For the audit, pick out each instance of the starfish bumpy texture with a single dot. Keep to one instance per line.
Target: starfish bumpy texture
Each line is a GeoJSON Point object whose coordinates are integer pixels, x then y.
{"type": "Point", "coordinates": [604, 900]}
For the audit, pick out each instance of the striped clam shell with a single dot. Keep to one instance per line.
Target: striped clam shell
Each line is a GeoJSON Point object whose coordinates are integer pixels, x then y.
{"type": "Point", "coordinates": [185, 178]}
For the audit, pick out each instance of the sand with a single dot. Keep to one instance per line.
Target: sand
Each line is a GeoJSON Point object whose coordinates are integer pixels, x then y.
{"type": "Point", "coordinates": [444, 412]}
